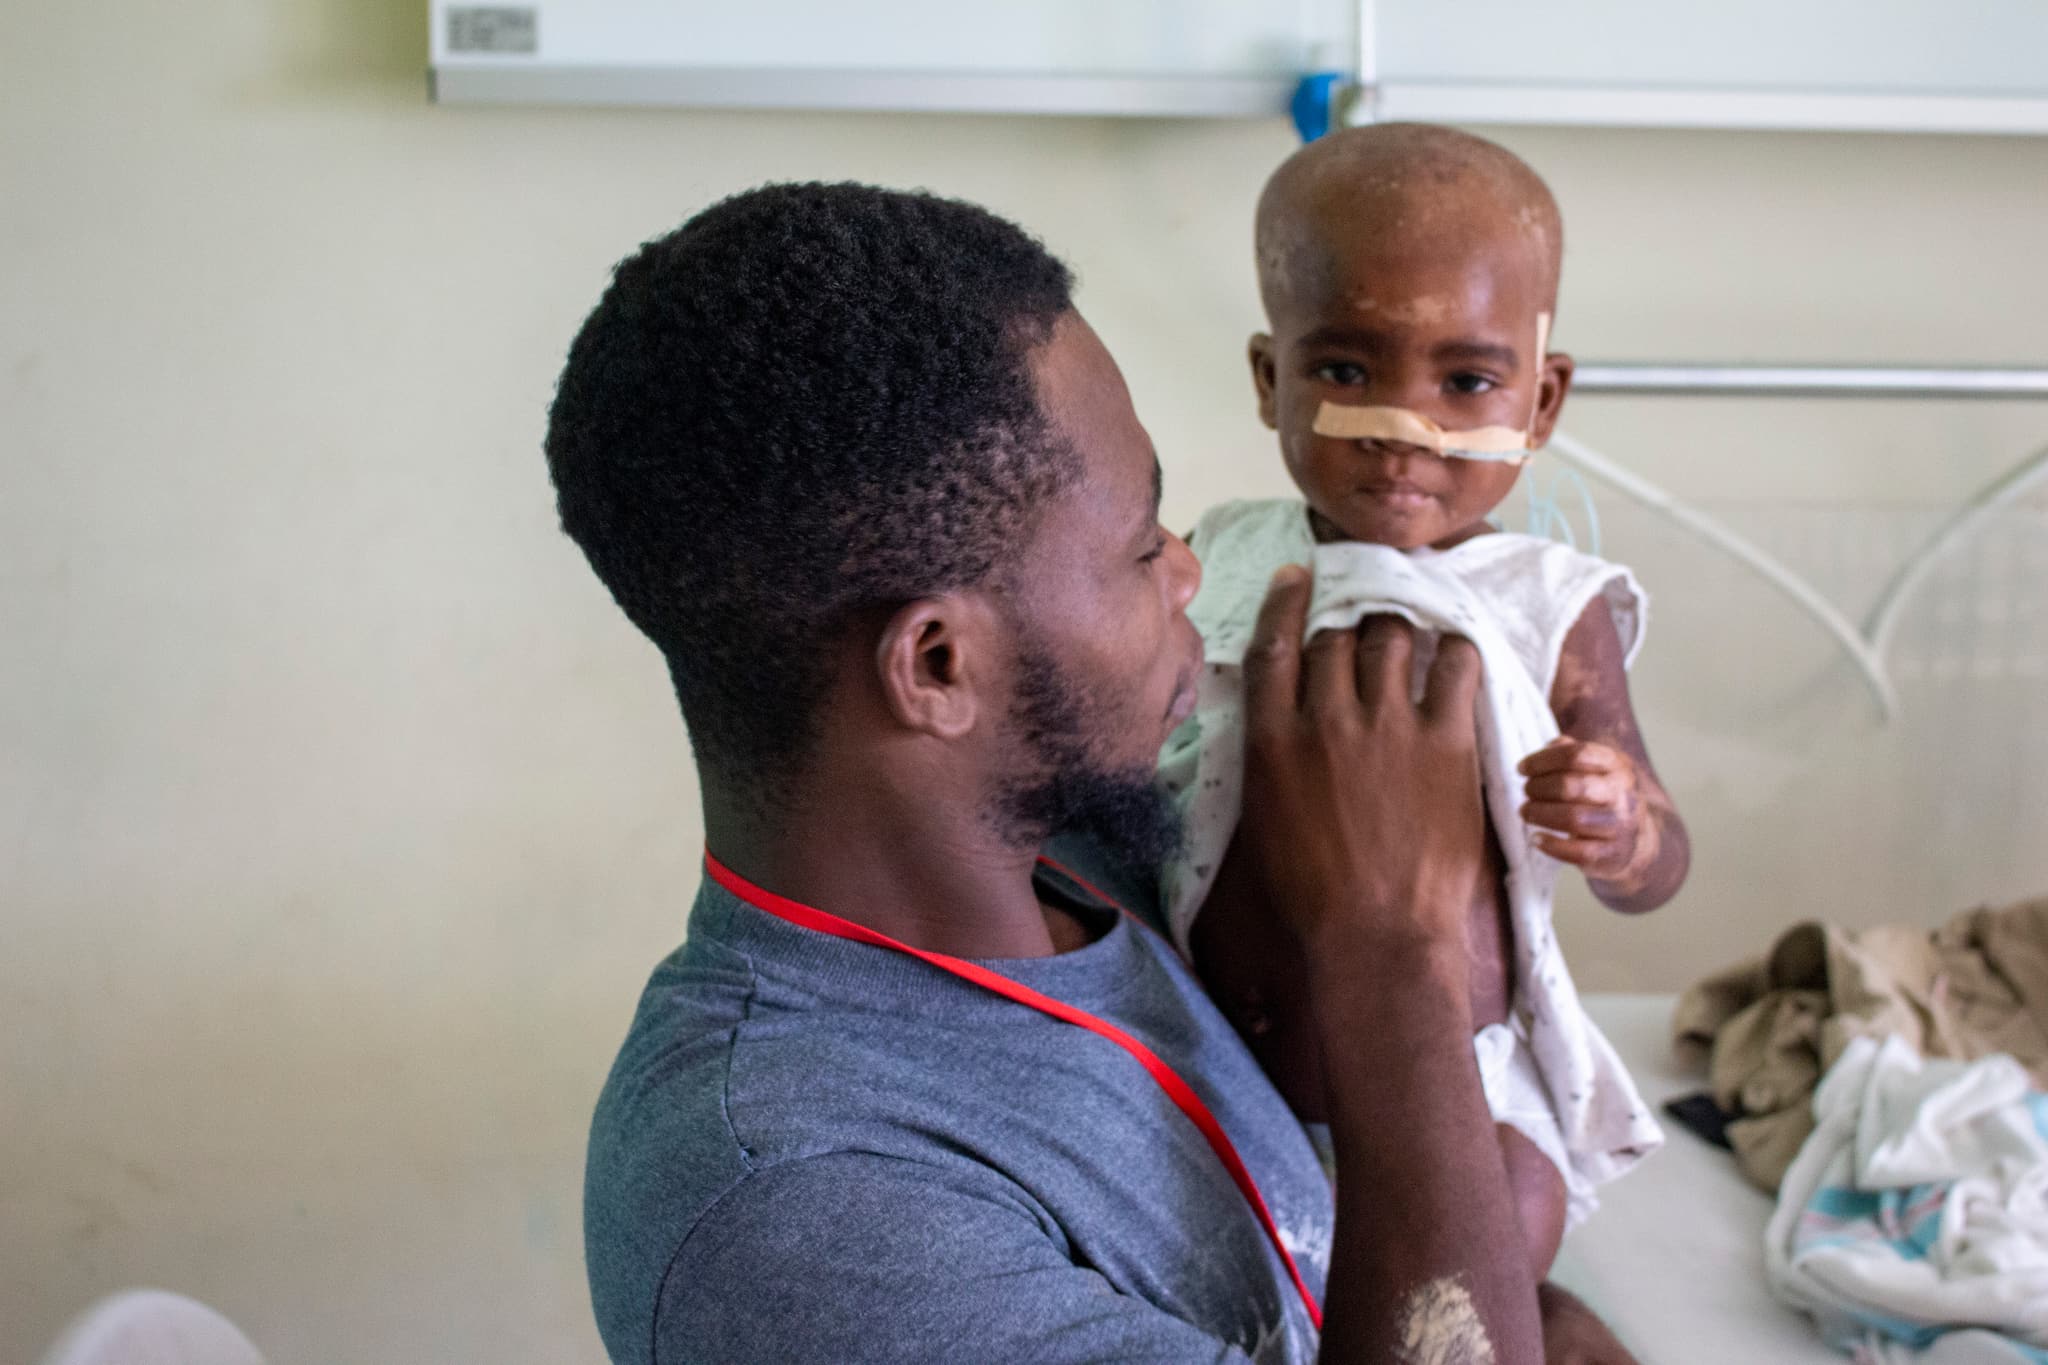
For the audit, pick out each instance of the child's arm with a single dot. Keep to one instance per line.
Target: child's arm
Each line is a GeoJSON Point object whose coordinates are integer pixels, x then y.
{"type": "Point", "coordinates": [1594, 784]}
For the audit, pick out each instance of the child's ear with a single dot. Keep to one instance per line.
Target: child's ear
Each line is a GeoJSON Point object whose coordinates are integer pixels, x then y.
{"type": "Point", "coordinates": [932, 662]}
{"type": "Point", "coordinates": [1260, 352]}
{"type": "Point", "coordinates": [1553, 382]}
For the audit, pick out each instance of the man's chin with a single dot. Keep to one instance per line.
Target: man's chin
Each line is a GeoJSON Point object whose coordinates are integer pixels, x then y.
{"type": "Point", "coordinates": [1129, 816]}
{"type": "Point", "coordinates": [1142, 828]}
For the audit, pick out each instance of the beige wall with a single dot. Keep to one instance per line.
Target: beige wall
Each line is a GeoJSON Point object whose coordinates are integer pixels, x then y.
{"type": "Point", "coordinates": [340, 815]}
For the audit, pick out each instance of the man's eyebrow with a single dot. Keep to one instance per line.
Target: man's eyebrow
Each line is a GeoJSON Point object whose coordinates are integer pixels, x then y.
{"type": "Point", "coordinates": [1148, 529]}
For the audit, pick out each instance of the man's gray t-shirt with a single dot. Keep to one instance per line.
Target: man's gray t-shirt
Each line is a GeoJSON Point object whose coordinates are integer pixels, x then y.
{"type": "Point", "coordinates": [810, 1149]}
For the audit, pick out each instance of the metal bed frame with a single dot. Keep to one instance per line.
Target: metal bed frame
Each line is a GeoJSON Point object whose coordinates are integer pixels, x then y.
{"type": "Point", "coordinates": [1867, 643]}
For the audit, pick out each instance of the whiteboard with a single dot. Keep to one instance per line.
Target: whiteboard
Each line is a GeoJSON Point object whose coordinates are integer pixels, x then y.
{"type": "Point", "coordinates": [1218, 57]}
{"type": "Point", "coordinates": [1914, 65]}
{"type": "Point", "coordinates": [1899, 65]}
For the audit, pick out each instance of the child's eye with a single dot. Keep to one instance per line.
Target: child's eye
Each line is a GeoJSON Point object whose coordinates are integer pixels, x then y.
{"type": "Point", "coordinates": [1466, 382]}
{"type": "Point", "coordinates": [1339, 372]}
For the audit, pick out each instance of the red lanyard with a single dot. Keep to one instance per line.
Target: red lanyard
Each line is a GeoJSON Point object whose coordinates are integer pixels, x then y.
{"type": "Point", "coordinates": [1169, 1080]}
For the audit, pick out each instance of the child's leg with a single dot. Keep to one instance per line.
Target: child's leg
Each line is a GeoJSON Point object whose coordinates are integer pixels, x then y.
{"type": "Point", "coordinates": [1539, 1197]}
{"type": "Point", "coordinates": [1572, 1335]}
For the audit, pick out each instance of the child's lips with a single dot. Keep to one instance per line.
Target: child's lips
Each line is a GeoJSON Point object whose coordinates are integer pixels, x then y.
{"type": "Point", "coordinates": [1398, 496]}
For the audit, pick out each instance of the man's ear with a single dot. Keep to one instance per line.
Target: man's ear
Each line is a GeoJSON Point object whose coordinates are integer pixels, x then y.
{"type": "Point", "coordinates": [1553, 382]}
{"type": "Point", "coordinates": [1260, 352]}
{"type": "Point", "coordinates": [934, 662]}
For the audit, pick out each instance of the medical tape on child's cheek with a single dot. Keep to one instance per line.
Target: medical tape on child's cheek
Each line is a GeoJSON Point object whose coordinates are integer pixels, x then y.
{"type": "Point", "coordinates": [1503, 444]}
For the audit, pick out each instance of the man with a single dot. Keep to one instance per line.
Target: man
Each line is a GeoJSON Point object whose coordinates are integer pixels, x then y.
{"type": "Point", "coordinates": [855, 465]}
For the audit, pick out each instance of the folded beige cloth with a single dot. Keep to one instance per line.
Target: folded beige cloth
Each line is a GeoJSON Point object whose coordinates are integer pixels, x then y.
{"type": "Point", "coordinates": [1977, 985]}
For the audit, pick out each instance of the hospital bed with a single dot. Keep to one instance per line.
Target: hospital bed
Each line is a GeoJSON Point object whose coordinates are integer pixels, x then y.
{"type": "Point", "coordinates": [1674, 1258]}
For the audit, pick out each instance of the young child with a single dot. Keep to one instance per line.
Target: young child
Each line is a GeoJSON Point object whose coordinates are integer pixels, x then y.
{"type": "Point", "coordinates": [1409, 275]}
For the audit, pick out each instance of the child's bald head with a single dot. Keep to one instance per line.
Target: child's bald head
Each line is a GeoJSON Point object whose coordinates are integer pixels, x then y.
{"type": "Point", "coordinates": [1396, 189]}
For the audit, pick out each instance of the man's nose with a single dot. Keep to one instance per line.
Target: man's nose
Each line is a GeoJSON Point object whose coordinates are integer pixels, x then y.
{"type": "Point", "coordinates": [1185, 572]}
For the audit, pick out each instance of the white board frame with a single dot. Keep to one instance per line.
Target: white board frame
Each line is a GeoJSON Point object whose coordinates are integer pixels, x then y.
{"type": "Point", "coordinates": [874, 91]}
{"type": "Point", "coordinates": [1788, 111]}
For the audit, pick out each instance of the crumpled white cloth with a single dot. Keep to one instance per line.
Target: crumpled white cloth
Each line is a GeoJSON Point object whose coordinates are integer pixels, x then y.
{"type": "Point", "coordinates": [1919, 1209]}
{"type": "Point", "coordinates": [1513, 597]}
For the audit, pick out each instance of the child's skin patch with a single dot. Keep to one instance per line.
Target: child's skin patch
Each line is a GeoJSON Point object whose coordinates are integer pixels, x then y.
{"type": "Point", "coordinates": [1530, 221]}
{"type": "Point", "coordinates": [1428, 310]}
{"type": "Point", "coordinates": [1440, 1326]}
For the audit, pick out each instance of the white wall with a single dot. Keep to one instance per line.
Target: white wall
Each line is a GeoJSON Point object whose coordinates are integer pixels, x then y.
{"type": "Point", "coordinates": [341, 816]}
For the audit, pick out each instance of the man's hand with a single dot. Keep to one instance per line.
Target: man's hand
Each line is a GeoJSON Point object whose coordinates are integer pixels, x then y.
{"type": "Point", "coordinates": [1361, 807]}
{"type": "Point", "coordinates": [1592, 796]}
{"type": "Point", "coordinates": [1362, 828]}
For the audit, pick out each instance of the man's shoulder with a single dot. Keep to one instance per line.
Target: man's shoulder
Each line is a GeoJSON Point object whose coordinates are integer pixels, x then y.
{"type": "Point", "coordinates": [726, 1073]}
{"type": "Point", "coordinates": [790, 1108]}
{"type": "Point", "coordinates": [661, 1149]}
{"type": "Point", "coordinates": [758, 1055]}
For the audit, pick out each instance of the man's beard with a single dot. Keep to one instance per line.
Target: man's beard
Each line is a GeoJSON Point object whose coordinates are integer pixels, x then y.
{"type": "Point", "coordinates": [1066, 788]}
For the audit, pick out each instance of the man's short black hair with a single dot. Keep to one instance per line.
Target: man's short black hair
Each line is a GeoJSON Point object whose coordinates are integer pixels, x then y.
{"type": "Point", "coordinates": [808, 404]}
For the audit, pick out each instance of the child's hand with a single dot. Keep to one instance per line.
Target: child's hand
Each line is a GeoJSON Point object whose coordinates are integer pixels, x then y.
{"type": "Point", "coordinates": [1591, 794]}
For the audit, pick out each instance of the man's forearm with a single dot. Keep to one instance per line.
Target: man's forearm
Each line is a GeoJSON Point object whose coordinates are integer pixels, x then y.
{"type": "Point", "coordinates": [1375, 879]}
{"type": "Point", "coordinates": [1428, 1264]}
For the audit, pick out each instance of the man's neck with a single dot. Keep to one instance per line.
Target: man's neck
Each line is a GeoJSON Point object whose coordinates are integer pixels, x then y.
{"type": "Point", "coordinates": [929, 883]}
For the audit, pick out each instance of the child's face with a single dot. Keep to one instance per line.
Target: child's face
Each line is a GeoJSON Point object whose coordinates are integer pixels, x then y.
{"type": "Point", "coordinates": [1429, 322]}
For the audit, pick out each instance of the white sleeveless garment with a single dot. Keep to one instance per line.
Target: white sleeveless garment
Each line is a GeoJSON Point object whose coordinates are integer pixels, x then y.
{"type": "Point", "coordinates": [1548, 1071]}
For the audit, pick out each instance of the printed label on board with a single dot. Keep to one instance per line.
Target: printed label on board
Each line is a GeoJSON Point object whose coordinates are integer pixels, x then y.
{"type": "Point", "coordinates": [495, 29]}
